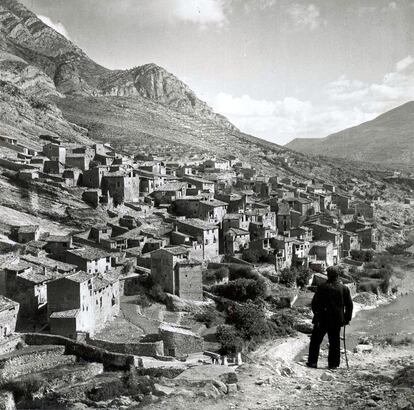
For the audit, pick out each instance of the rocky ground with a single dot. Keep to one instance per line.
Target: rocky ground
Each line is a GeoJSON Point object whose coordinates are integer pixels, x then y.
{"type": "Point", "coordinates": [276, 381]}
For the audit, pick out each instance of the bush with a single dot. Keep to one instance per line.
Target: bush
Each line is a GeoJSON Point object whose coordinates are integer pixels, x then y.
{"type": "Point", "coordinates": [237, 271]}
{"type": "Point", "coordinates": [250, 320]}
{"type": "Point", "coordinates": [399, 248]}
{"type": "Point", "coordinates": [241, 289]}
{"type": "Point", "coordinates": [229, 340]}
{"type": "Point", "coordinates": [285, 322]}
{"type": "Point", "coordinates": [24, 388]}
{"type": "Point", "coordinates": [157, 293]}
{"type": "Point", "coordinates": [363, 256]}
{"type": "Point", "coordinates": [108, 391]}
{"type": "Point", "coordinates": [303, 277]}
{"type": "Point", "coordinates": [288, 277]}
{"type": "Point", "coordinates": [208, 316]}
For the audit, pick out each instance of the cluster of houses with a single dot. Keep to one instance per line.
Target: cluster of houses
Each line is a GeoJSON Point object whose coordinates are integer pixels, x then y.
{"type": "Point", "coordinates": [169, 217]}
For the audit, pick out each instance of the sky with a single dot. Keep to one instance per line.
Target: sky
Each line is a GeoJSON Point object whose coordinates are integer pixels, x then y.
{"type": "Point", "coordinates": [278, 69]}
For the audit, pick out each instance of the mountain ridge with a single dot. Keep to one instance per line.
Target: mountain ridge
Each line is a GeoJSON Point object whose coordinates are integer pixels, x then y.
{"type": "Point", "coordinates": [73, 72]}
{"type": "Point", "coordinates": [387, 139]}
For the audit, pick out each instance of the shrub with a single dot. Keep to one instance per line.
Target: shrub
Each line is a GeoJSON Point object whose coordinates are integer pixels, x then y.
{"type": "Point", "coordinates": [363, 256]}
{"type": "Point", "coordinates": [24, 388]}
{"type": "Point", "coordinates": [157, 293]}
{"type": "Point", "coordinates": [108, 391]}
{"type": "Point", "coordinates": [229, 340]}
{"type": "Point", "coordinates": [208, 316]}
{"type": "Point", "coordinates": [288, 277]}
{"type": "Point", "coordinates": [285, 322]}
{"type": "Point", "coordinates": [241, 289]}
{"type": "Point", "coordinates": [303, 277]}
{"type": "Point", "coordinates": [250, 320]}
{"type": "Point", "coordinates": [237, 271]}
{"type": "Point", "coordinates": [399, 248]}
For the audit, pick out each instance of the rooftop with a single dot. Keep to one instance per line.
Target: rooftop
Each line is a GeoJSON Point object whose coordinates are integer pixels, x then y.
{"type": "Point", "coordinates": [213, 202]}
{"type": "Point", "coordinates": [237, 231]}
{"type": "Point", "coordinates": [176, 250]}
{"type": "Point", "coordinates": [6, 303]}
{"type": "Point", "coordinates": [65, 314]}
{"type": "Point", "coordinates": [79, 277]}
{"type": "Point", "coordinates": [197, 223]}
{"type": "Point", "coordinates": [171, 186]}
{"type": "Point", "coordinates": [89, 253]}
{"type": "Point", "coordinates": [27, 229]}
{"type": "Point", "coordinates": [58, 238]}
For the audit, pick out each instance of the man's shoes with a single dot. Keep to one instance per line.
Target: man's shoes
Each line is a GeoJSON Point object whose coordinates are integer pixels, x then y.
{"type": "Point", "coordinates": [312, 365]}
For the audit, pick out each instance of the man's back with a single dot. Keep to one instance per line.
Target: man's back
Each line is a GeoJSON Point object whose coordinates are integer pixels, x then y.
{"type": "Point", "coordinates": [332, 304]}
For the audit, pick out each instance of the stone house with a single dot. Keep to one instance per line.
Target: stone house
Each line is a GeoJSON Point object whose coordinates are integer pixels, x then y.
{"type": "Point", "coordinates": [55, 152]}
{"type": "Point", "coordinates": [235, 203]}
{"type": "Point", "coordinates": [172, 269]}
{"type": "Point", "coordinates": [326, 252]}
{"type": "Point", "coordinates": [235, 220]}
{"type": "Point", "coordinates": [90, 260]}
{"type": "Point", "coordinates": [283, 218]}
{"type": "Point", "coordinates": [201, 184]}
{"type": "Point", "coordinates": [92, 178]}
{"type": "Point", "coordinates": [205, 234]}
{"type": "Point", "coordinates": [80, 161]}
{"type": "Point", "coordinates": [25, 233]}
{"type": "Point", "coordinates": [71, 176]}
{"type": "Point", "coordinates": [81, 303]}
{"type": "Point", "coordinates": [235, 240]}
{"type": "Point", "coordinates": [303, 206]}
{"type": "Point", "coordinates": [341, 201]}
{"type": "Point", "coordinates": [122, 187]}
{"type": "Point", "coordinates": [58, 245]}
{"type": "Point", "coordinates": [304, 233]}
{"type": "Point", "coordinates": [167, 193]}
{"type": "Point", "coordinates": [350, 242]}
{"type": "Point", "coordinates": [187, 206]}
{"type": "Point", "coordinates": [53, 167]}
{"type": "Point", "coordinates": [212, 210]}
{"type": "Point", "coordinates": [9, 310]}
{"type": "Point", "coordinates": [179, 341]}
{"type": "Point", "coordinates": [31, 293]}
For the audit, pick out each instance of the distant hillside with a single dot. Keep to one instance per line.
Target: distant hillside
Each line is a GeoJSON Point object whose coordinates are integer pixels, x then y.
{"type": "Point", "coordinates": [387, 139]}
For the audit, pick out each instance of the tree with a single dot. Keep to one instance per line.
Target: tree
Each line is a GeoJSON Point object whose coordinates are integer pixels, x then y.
{"type": "Point", "coordinates": [303, 277]}
{"type": "Point", "coordinates": [288, 277]}
{"type": "Point", "coordinates": [230, 341]}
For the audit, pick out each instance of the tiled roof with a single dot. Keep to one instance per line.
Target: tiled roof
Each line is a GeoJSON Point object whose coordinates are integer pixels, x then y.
{"type": "Point", "coordinates": [6, 303]}
{"type": "Point", "coordinates": [48, 263]}
{"type": "Point", "coordinates": [35, 277]}
{"type": "Point", "coordinates": [171, 186]}
{"type": "Point", "coordinates": [65, 314]}
{"type": "Point", "coordinates": [90, 253]}
{"type": "Point", "coordinates": [213, 202]}
{"type": "Point", "coordinates": [176, 250]}
{"type": "Point", "coordinates": [198, 223]}
{"type": "Point", "coordinates": [57, 238]}
{"type": "Point", "coordinates": [237, 231]}
{"type": "Point", "coordinates": [27, 228]}
{"type": "Point", "coordinates": [79, 277]}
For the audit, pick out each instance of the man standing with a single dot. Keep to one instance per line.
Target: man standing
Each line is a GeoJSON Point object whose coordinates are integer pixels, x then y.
{"type": "Point", "coordinates": [332, 308]}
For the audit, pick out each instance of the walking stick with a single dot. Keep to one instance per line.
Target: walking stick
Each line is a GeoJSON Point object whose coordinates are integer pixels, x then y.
{"type": "Point", "coordinates": [346, 354]}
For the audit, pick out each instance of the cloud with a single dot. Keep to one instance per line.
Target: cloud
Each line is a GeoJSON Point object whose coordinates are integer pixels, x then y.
{"type": "Point", "coordinates": [345, 103]}
{"type": "Point", "coordinates": [304, 17]}
{"type": "Point", "coordinates": [200, 12]}
{"type": "Point", "coordinates": [59, 27]}
{"type": "Point", "coordinates": [404, 63]}
{"type": "Point", "coordinates": [252, 5]}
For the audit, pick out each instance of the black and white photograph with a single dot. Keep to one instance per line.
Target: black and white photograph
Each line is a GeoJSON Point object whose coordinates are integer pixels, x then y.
{"type": "Point", "coordinates": [206, 204]}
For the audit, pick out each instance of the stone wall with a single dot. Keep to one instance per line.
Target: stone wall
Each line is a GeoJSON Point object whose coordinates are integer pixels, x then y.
{"type": "Point", "coordinates": [87, 352]}
{"type": "Point", "coordinates": [150, 349]}
{"type": "Point", "coordinates": [32, 359]}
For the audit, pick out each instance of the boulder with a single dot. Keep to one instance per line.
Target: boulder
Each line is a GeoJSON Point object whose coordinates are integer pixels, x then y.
{"type": "Point", "coordinates": [363, 348]}
{"type": "Point", "coordinates": [160, 390]}
{"type": "Point", "coordinates": [7, 401]}
{"type": "Point", "coordinates": [327, 377]}
{"type": "Point", "coordinates": [232, 388]}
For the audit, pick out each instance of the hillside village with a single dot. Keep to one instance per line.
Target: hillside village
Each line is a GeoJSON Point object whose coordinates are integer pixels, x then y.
{"type": "Point", "coordinates": [170, 220]}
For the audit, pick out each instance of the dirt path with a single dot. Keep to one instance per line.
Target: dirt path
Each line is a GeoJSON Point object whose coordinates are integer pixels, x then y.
{"type": "Point", "coordinates": [275, 381]}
